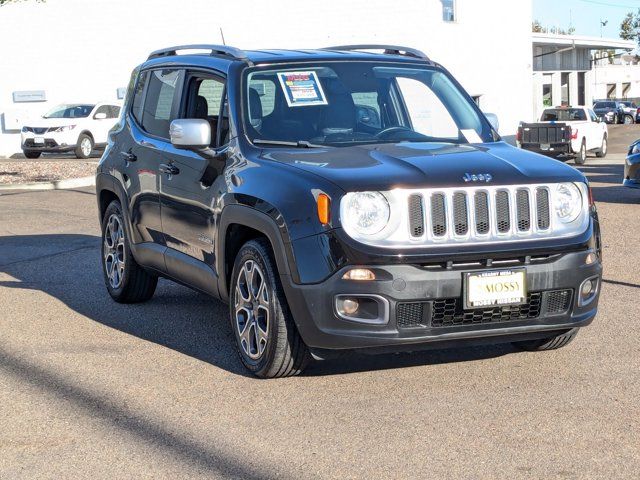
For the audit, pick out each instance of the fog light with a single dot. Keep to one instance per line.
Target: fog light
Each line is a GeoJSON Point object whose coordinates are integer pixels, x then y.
{"type": "Point", "coordinates": [359, 274]}
{"type": "Point", "coordinates": [588, 291]}
{"type": "Point", "coordinates": [350, 306]}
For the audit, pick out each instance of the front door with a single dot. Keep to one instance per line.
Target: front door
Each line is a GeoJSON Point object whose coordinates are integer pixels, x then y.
{"type": "Point", "coordinates": [187, 189]}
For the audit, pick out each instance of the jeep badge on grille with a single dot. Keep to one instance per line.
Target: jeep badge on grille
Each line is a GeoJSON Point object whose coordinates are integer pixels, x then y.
{"type": "Point", "coordinates": [477, 177]}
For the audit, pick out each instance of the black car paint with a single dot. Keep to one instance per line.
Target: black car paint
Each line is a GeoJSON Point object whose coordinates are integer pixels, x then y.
{"type": "Point", "coordinates": [184, 231]}
{"type": "Point", "coordinates": [631, 177]}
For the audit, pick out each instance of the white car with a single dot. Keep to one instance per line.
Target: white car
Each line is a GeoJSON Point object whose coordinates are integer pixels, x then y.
{"type": "Point", "coordinates": [77, 128]}
{"type": "Point", "coordinates": [565, 132]}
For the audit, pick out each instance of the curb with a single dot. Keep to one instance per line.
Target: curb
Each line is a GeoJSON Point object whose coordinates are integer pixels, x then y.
{"type": "Point", "coordinates": [55, 185]}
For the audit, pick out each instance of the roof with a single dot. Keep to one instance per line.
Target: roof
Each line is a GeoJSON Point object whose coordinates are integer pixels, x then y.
{"type": "Point", "coordinates": [594, 43]}
{"type": "Point", "coordinates": [351, 52]}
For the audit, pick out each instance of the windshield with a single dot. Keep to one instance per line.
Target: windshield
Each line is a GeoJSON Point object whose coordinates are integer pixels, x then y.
{"type": "Point", "coordinates": [347, 103]}
{"type": "Point", "coordinates": [69, 111]}
{"type": "Point", "coordinates": [604, 105]}
{"type": "Point", "coordinates": [563, 114]}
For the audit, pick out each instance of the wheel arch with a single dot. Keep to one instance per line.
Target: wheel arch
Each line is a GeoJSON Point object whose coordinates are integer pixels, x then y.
{"type": "Point", "coordinates": [238, 225]}
{"type": "Point", "coordinates": [88, 134]}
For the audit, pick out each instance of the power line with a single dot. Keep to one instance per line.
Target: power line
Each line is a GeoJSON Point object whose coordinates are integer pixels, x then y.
{"type": "Point", "coordinates": [607, 4]}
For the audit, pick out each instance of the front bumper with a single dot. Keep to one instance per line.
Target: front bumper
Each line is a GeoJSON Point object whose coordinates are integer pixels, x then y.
{"type": "Point", "coordinates": [631, 176]}
{"type": "Point", "coordinates": [425, 305]}
{"type": "Point", "coordinates": [50, 142]}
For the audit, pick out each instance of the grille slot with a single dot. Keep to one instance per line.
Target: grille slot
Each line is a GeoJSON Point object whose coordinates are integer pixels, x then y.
{"type": "Point", "coordinates": [482, 212]}
{"type": "Point", "coordinates": [438, 215]}
{"type": "Point", "coordinates": [503, 213]}
{"type": "Point", "coordinates": [558, 301]}
{"type": "Point", "coordinates": [450, 312]}
{"type": "Point", "coordinates": [416, 215]}
{"type": "Point", "coordinates": [410, 314]}
{"type": "Point", "coordinates": [542, 205]}
{"type": "Point", "coordinates": [460, 215]}
{"type": "Point", "coordinates": [523, 210]}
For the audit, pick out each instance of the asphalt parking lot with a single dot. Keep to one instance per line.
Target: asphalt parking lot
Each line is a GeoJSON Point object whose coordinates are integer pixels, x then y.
{"type": "Point", "coordinates": [93, 389]}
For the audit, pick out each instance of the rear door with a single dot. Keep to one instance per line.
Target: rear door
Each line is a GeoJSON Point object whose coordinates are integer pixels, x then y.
{"type": "Point", "coordinates": [188, 195]}
{"type": "Point", "coordinates": [155, 104]}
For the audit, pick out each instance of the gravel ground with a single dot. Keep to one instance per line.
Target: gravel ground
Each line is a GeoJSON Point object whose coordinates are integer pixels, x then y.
{"type": "Point", "coordinates": [12, 173]}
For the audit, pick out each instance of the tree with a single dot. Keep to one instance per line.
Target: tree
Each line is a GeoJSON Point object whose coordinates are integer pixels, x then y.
{"type": "Point", "coordinates": [537, 27]}
{"type": "Point", "coordinates": [630, 27]}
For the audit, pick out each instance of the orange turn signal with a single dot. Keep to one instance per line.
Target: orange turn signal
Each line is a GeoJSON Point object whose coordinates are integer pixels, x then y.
{"type": "Point", "coordinates": [324, 208]}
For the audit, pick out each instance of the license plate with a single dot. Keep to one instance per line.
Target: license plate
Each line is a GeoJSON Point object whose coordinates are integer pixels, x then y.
{"type": "Point", "coordinates": [545, 146]}
{"type": "Point", "coordinates": [497, 288]}
{"type": "Point", "coordinates": [39, 140]}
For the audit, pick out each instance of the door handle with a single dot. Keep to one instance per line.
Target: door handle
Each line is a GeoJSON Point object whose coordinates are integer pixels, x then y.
{"type": "Point", "coordinates": [169, 169]}
{"type": "Point", "coordinates": [128, 156]}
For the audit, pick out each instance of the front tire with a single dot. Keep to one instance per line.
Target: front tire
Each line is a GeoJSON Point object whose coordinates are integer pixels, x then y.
{"type": "Point", "coordinates": [549, 343]}
{"type": "Point", "coordinates": [602, 151]}
{"type": "Point", "coordinates": [581, 157]}
{"type": "Point", "coordinates": [29, 154]}
{"type": "Point", "coordinates": [266, 336]}
{"type": "Point", "coordinates": [628, 119]}
{"type": "Point", "coordinates": [84, 147]}
{"type": "Point", "coordinates": [126, 281]}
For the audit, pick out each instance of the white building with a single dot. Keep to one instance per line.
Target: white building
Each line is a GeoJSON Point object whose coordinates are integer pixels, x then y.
{"type": "Point", "coordinates": [79, 50]}
{"type": "Point", "coordinates": [564, 71]}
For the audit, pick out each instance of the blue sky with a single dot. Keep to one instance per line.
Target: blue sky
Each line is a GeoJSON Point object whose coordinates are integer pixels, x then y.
{"type": "Point", "coordinates": [585, 14]}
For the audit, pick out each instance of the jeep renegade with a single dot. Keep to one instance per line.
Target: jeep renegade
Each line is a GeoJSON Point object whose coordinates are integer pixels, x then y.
{"type": "Point", "coordinates": [345, 198]}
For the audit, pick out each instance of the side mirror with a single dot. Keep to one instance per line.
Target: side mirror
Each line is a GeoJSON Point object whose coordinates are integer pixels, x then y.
{"type": "Point", "coordinates": [493, 120]}
{"type": "Point", "coordinates": [190, 133]}
{"type": "Point", "coordinates": [100, 116]}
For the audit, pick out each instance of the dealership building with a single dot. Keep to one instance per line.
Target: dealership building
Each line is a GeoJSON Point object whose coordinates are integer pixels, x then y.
{"type": "Point", "coordinates": [76, 51]}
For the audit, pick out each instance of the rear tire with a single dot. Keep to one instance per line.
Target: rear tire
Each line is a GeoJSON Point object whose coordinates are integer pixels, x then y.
{"type": "Point", "coordinates": [266, 336]}
{"type": "Point", "coordinates": [126, 281]}
{"type": "Point", "coordinates": [628, 120]}
{"type": "Point", "coordinates": [29, 154]}
{"type": "Point", "coordinates": [602, 151]}
{"type": "Point", "coordinates": [581, 157]}
{"type": "Point", "coordinates": [549, 343]}
{"type": "Point", "coordinates": [84, 147]}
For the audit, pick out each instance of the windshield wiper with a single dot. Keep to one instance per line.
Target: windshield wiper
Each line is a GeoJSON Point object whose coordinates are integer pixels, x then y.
{"type": "Point", "coordinates": [297, 144]}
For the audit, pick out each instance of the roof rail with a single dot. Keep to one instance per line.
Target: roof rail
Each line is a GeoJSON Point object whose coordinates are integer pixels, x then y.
{"type": "Point", "coordinates": [215, 50]}
{"type": "Point", "coordinates": [388, 50]}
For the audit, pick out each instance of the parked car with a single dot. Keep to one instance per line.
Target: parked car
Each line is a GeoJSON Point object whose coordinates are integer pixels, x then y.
{"type": "Point", "coordinates": [252, 176]}
{"type": "Point", "coordinates": [632, 112]}
{"type": "Point", "coordinates": [611, 111]}
{"type": "Point", "coordinates": [565, 132]}
{"type": "Point", "coordinates": [631, 176]}
{"type": "Point", "coordinates": [77, 127]}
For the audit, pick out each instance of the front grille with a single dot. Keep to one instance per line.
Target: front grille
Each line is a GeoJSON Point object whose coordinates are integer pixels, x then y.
{"type": "Point", "coordinates": [450, 312]}
{"type": "Point", "coordinates": [558, 301]}
{"type": "Point", "coordinates": [40, 131]}
{"type": "Point", "coordinates": [410, 314]}
{"type": "Point", "coordinates": [486, 213]}
{"type": "Point", "coordinates": [416, 216]}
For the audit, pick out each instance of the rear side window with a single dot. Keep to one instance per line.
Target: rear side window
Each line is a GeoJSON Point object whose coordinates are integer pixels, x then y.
{"type": "Point", "coordinates": [159, 105]}
{"type": "Point", "coordinates": [138, 98]}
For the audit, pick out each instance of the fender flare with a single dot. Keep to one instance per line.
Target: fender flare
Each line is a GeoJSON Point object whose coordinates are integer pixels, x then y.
{"type": "Point", "coordinates": [106, 182]}
{"type": "Point", "coordinates": [263, 223]}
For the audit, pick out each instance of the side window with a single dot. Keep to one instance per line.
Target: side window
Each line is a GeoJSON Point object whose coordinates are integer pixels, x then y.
{"type": "Point", "coordinates": [138, 99]}
{"type": "Point", "coordinates": [103, 109]}
{"type": "Point", "coordinates": [204, 101]}
{"type": "Point", "coordinates": [114, 111]}
{"type": "Point", "coordinates": [159, 105]}
{"type": "Point", "coordinates": [427, 113]}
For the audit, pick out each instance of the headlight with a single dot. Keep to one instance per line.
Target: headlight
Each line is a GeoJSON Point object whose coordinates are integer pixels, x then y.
{"type": "Point", "coordinates": [635, 148]}
{"type": "Point", "coordinates": [65, 128]}
{"type": "Point", "coordinates": [26, 129]}
{"type": "Point", "coordinates": [567, 202]}
{"type": "Point", "coordinates": [366, 212]}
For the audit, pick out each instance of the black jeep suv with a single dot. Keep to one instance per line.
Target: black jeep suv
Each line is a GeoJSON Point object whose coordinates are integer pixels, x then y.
{"type": "Point", "coordinates": [341, 199]}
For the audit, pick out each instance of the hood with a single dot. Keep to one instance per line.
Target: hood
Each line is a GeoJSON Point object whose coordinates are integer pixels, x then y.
{"type": "Point", "coordinates": [424, 165]}
{"type": "Point", "coordinates": [52, 122]}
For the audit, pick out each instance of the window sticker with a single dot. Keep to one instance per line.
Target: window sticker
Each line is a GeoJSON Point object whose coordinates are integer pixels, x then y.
{"type": "Point", "coordinates": [302, 88]}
